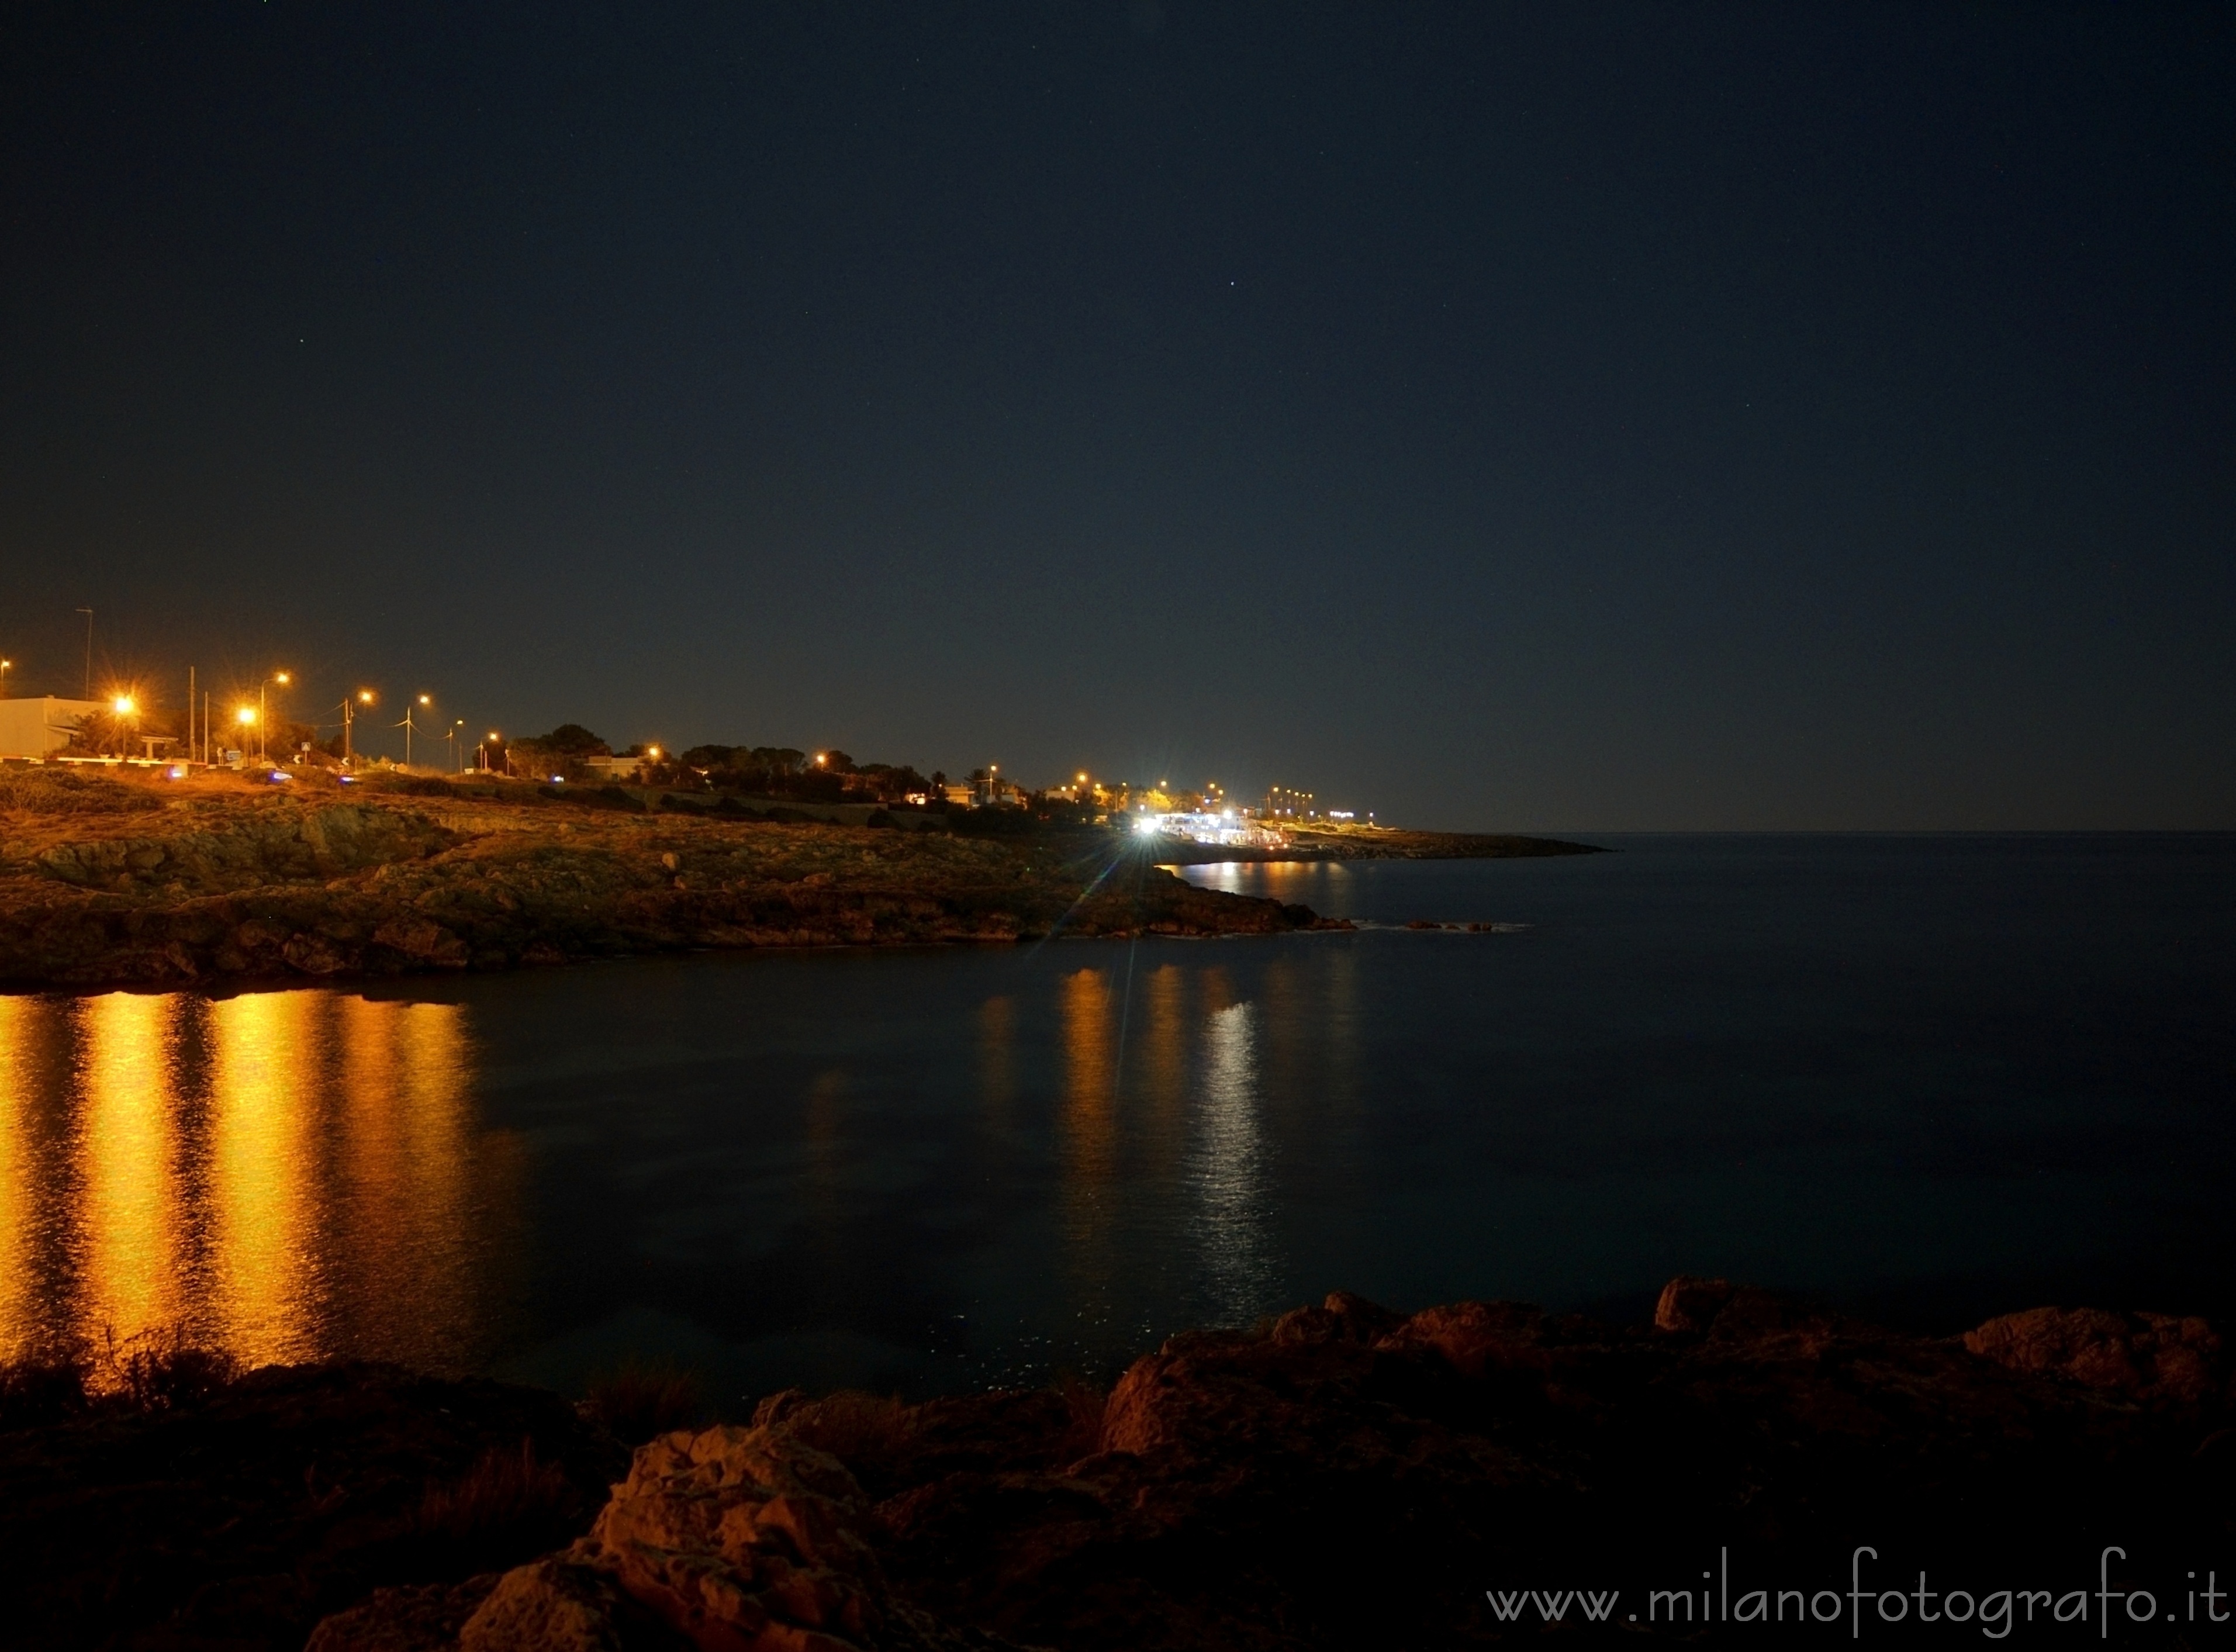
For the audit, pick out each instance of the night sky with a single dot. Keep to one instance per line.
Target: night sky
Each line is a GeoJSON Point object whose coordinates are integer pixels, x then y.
{"type": "Point", "coordinates": [1560, 417]}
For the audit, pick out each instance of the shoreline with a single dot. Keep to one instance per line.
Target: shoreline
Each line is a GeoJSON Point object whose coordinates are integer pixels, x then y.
{"type": "Point", "coordinates": [1340, 1475]}
{"type": "Point", "coordinates": [219, 881]}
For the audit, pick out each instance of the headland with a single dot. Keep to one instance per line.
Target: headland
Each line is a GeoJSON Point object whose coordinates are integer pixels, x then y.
{"type": "Point", "coordinates": [109, 878]}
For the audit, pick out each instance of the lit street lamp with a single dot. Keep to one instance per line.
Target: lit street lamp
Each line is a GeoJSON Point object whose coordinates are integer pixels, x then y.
{"type": "Point", "coordinates": [6, 666]}
{"type": "Point", "coordinates": [264, 713]}
{"type": "Point", "coordinates": [362, 697]}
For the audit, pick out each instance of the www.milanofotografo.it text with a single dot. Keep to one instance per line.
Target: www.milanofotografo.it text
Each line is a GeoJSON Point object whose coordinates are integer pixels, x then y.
{"type": "Point", "coordinates": [1873, 1599]}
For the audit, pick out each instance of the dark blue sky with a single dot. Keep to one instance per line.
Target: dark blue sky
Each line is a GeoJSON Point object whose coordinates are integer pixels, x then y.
{"type": "Point", "coordinates": [1558, 416]}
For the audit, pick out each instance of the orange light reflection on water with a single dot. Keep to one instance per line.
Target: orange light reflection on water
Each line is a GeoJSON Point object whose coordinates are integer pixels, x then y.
{"type": "Point", "coordinates": [132, 1233]}
{"type": "Point", "coordinates": [286, 1176]}
{"type": "Point", "coordinates": [17, 1025]}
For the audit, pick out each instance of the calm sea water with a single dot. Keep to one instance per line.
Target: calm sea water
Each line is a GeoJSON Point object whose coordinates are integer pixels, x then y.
{"type": "Point", "coordinates": [1932, 1077]}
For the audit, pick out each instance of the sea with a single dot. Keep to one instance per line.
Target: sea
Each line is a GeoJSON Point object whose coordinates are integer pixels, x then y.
{"type": "Point", "coordinates": [1927, 1078]}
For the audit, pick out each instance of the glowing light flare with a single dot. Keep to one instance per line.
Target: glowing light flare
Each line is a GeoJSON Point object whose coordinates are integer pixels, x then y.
{"type": "Point", "coordinates": [245, 716]}
{"type": "Point", "coordinates": [124, 706]}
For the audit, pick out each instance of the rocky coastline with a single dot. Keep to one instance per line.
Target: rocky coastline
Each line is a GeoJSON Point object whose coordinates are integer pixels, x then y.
{"type": "Point", "coordinates": [1340, 1476]}
{"type": "Point", "coordinates": [225, 880]}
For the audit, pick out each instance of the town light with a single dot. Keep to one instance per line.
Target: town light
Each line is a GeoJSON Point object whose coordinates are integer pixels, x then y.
{"type": "Point", "coordinates": [365, 696]}
{"type": "Point", "coordinates": [426, 699]}
{"type": "Point", "coordinates": [495, 736]}
{"type": "Point", "coordinates": [124, 704]}
{"type": "Point", "coordinates": [652, 752]}
{"type": "Point", "coordinates": [281, 678]}
{"type": "Point", "coordinates": [819, 758]}
{"type": "Point", "coordinates": [245, 716]}
{"type": "Point", "coordinates": [1082, 779]}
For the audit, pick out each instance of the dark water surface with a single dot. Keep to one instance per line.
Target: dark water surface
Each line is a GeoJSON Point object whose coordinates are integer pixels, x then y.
{"type": "Point", "coordinates": [1936, 1076]}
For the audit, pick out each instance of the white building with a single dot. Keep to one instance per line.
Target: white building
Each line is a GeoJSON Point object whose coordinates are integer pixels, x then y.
{"type": "Point", "coordinates": [34, 727]}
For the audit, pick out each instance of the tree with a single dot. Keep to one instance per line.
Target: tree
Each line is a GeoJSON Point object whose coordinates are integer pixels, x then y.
{"type": "Point", "coordinates": [572, 740]}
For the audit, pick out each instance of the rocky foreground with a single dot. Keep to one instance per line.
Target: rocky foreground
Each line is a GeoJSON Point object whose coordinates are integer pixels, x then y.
{"type": "Point", "coordinates": [1341, 1476]}
{"type": "Point", "coordinates": [222, 879]}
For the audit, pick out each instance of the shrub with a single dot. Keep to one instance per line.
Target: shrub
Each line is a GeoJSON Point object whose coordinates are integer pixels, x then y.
{"type": "Point", "coordinates": [638, 1403]}
{"type": "Point", "coordinates": [161, 1370]}
{"type": "Point", "coordinates": [34, 1392]}
{"type": "Point", "coordinates": [42, 790]}
{"type": "Point", "coordinates": [506, 1498]}
{"type": "Point", "coordinates": [1086, 1404]}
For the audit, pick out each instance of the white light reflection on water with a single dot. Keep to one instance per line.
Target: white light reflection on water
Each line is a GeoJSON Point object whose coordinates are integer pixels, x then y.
{"type": "Point", "coordinates": [1232, 1216]}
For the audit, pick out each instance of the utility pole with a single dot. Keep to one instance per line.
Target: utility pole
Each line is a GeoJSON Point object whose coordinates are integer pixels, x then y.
{"type": "Point", "coordinates": [89, 651]}
{"type": "Point", "coordinates": [190, 713]}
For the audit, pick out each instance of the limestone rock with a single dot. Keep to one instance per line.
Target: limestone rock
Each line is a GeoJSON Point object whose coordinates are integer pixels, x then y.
{"type": "Point", "coordinates": [2153, 1357]}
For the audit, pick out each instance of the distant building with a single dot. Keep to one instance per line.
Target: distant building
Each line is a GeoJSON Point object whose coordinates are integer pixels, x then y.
{"type": "Point", "coordinates": [615, 768]}
{"type": "Point", "coordinates": [35, 727]}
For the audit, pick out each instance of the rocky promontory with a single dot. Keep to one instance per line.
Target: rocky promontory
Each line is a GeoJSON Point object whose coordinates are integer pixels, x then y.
{"type": "Point", "coordinates": [223, 878]}
{"type": "Point", "coordinates": [1341, 1476]}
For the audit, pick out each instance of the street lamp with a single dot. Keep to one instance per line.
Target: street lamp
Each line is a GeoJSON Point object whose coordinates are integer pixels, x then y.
{"type": "Point", "coordinates": [246, 717]}
{"type": "Point", "coordinates": [123, 706]}
{"type": "Point", "coordinates": [264, 712]}
{"type": "Point", "coordinates": [362, 697]}
{"type": "Point", "coordinates": [6, 666]}
{"type": "Point", "coordinates": [458, 745]}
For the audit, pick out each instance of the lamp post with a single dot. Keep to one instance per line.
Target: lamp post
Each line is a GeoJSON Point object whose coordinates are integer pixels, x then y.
{"type": "Point", "coordinates": [125, 710]}
{"type": "Point", "coordinates": [6, 666]}
{"type": "Point", "coordinates": [247, 717]}
{"type": "Point", "coordinates": [264, 713]}
{"type": "Point", "coordinates": [362, 697]}
{"type": "Point", "coordinates": [458, 745]}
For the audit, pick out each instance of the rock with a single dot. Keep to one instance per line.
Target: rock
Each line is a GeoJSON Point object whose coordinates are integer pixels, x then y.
{"type": "Point", "coordinates": [729, 1540]}
{"type": "Point", "coordinates": [1689, 1303]}
{"type": "Point", "coordinates": [560, 1603]}
{"type": "Point", "coordinates": [2152, 1357]}
{"type": "Point", "coordinates": [421, 1617]}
